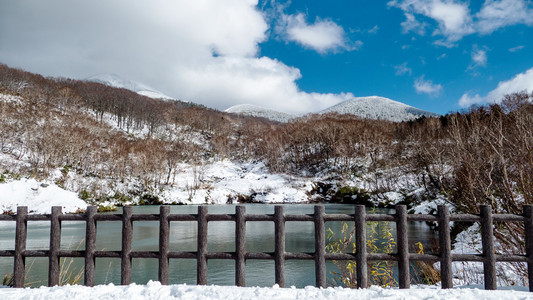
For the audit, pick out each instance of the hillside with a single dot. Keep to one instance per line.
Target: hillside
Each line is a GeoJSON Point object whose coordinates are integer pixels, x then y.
{"type": "Point", "coordinates": [114, 146]}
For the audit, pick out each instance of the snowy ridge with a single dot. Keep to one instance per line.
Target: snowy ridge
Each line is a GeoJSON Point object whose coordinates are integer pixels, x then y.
{"type": "Point", "coordinates": [373, 107]}
{"type": "Point", "coordinates": [378, 108]}
{"type": "Point", "coordinates": [115, 81]}
{"type": "Point", "coordinates": [258, 111]}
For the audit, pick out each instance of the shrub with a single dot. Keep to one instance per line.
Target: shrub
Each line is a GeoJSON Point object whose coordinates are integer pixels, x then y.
{"type": "Point", "coordinates": [379, 240]}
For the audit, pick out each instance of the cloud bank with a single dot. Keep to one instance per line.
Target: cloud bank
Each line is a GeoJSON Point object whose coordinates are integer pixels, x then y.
{"type": "Point", "coordinates": [521, 82]}
{"type": "Point", "coordinates": [205, 51]}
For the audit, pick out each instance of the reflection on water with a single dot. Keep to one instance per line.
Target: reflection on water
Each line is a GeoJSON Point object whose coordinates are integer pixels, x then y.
{"type": "Point", "coordinates": [221, 238]}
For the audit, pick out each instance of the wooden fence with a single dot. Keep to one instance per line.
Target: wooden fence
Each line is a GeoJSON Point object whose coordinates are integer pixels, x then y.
{"type": "Point", "coordinates": [486, 219]}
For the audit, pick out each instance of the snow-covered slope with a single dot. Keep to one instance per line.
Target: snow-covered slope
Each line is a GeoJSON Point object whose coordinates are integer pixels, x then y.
{"type": "Point", "coordinates": [378, 108]}
{"type": "Point", "coordinates": [373, 107]}
{"type": "Point", "coordinates": [115, 81]}
{"type": "Point", "coordinates": [258, 111]}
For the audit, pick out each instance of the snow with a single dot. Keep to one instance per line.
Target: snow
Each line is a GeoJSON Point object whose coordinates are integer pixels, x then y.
{"type": "Point", "coordinates": [258, 111]}
{"type": "Point", "coordinates": [10, 99]}
{"type": "Point", "coordinates": [154, 290]}
{"type": "Point", "coordinates": [220, 181]}
{"type": "Point", "coordinates": [378, 108]}
{"type": "Point", "coordinates": [154, 95]}
{"type": "Point", "coordinates": [38, 196]}
{"type": "Point", "coordinates": [372, 107]}
{"type": "Point", "coordinates": [115, 81]}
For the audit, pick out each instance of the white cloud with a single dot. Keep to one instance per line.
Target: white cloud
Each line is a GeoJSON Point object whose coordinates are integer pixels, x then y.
{"type": "Point", "coordinates": [520, 82]}
{"type": "Point", "coordinates": [403, 69]}
{"type": "Point", "coordinates": [500, 13]}
{"type": "Point", "coordinates": [479, 57]}
{"type": "Point", "coordinates": [467, 100]}
{"type": "Point", "coordinates": [261, 81]}
{"type": "Point", "coordinates": [455, 20]}
{"type": "Point", "coordinates": [374, 30]}
{"type": "Point", "coordinates": [323, 35]}
{"type": "Point", "coordinates": [517, 48]}
{"type": "Point", "coordinates": [203, 50]}
{"type": "Point", "coordinates": [427, 87]}
{"type": "Point", "coordinates": [412, 24]}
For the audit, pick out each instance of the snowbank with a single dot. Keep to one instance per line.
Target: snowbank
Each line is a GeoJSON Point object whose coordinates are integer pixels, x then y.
{"type": "Point", "coordinates": [217, 182]}
{"type": "Point", "coordinates": [10, 98]}
{"type": "Point", "coordinates": [38, 197]}
{"type": "Point", "coordinates": [154, 290]}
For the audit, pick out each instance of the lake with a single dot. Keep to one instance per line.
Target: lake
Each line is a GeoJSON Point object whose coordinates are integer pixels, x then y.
{"type": "Point", "coordinates": [221, 237]}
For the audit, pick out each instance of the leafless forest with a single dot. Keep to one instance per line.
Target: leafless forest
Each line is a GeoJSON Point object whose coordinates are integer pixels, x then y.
{"type": "Point", "coordinates": [480, 156]}
{"type": "Point", "coordinates": [483, 155]}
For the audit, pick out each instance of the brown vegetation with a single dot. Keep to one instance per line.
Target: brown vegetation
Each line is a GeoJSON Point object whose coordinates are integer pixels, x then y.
{"type": "Point", "coordinates": [479, 156]}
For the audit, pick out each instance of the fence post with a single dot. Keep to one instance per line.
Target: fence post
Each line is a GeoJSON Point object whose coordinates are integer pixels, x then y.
{"type": "Point", "coordinates": [528, 230]}
{"type": "Point", "coordinates": [55, 245]}
{"type": "Point", "coordinates": [127, 236]}
{"type": "Point", "coordinates": [279, 240]}
{"type": "Point", "coordinates": [445, 246]}
{"type": "Point", "coordinates": [90, 245]}
{"type": "Point", "coordinates": [320, 246]}
{"type": "Point", "coordinates": [403, 247]}
{"type": "Point", "coordinates": [164, 243]}
{"type": "Point", "coordinates": [487, 238]}
{"type": "Point", "coordinates": [240, 245]}
{"type": "Point", "coordinates": [21, 231]}
{"type": "Point", "coordinates": [201, 260]}
{"type": "Point", "coordinates": [360, 247]}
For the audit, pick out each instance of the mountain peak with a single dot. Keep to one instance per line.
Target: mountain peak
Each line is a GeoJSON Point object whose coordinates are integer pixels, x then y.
{"type": "Point", "coordinates": [114, 80]}
{"type": "Point", "coordinates": [258, 111]}
{"type": "Point", "coordinates": [371, 107]}
{"type": "Point", "coordinates": [378, 108]}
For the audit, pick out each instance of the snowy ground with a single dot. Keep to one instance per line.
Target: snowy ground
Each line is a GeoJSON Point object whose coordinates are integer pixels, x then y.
{"type": "Point", "coordinates": [214, 183]}
{"type": "Point", "coordinates": [38, 196]}
{"type": "Point", "coordinates": [154, 290]}
{"type": "Point", "coordinates": [223, 179]}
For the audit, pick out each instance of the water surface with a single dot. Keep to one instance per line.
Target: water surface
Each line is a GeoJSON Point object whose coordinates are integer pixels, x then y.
{"type": "Point", "coordinates": [221, 238]}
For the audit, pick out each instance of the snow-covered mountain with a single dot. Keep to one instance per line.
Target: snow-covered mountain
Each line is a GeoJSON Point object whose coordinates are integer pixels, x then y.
{"type": "Point", "coordinates": [115, 81]}
{"type": "Point", "coordinates": [373, 107]}
{"type": "Point", "coordinates": [378, 108]}
{"type": "Point", "coordinates": [258, 111]}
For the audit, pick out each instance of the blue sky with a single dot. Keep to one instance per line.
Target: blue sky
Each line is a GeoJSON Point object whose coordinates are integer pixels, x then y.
{"type": "Point", "coordinates": [390, 60]}
{"type": "Point", "coordinates": [293, 56]}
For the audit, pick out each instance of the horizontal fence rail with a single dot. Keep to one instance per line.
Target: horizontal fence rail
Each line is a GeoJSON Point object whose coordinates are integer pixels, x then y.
{"type": "Point", "coordinates": [443, 218]}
